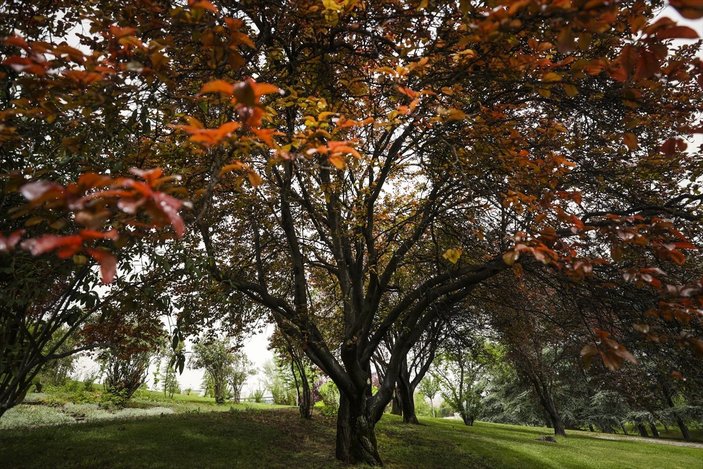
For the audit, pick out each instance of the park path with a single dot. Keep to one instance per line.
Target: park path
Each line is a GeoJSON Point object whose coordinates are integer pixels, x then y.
{"type": "Point", "coordinates": [660, 441]}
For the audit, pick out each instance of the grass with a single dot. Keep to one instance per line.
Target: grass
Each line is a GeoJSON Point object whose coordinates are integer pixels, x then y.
{"type": "Point", "coordinates": [247, 437]}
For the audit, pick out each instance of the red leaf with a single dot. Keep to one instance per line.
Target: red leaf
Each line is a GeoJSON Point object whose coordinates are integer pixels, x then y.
{"type": "Point", "coordinates": [16, 41]}
{"type": "Point", "coordinates": [148, 175]}
{"type": "Point", "coordinates": [203, 5]}
{"type": "Point", "coordinates": [93, 234]}
{"type": "Point", "coordinates": [35, 190]}
{"type": "Point", "coordinates": [689, 9]}
{"type": "Point", "coordinates": [8, 243]}
{"type": "Point", "coordinates": [120, 32]}
{"type": "Point", "coordinates": [677, 32]}
{"type": "Point", "coordinates": [108, 264]}
{"type": "Point", "coordinates": [169, 206]}
{"type": "Point", "coordinates": [68, 245]}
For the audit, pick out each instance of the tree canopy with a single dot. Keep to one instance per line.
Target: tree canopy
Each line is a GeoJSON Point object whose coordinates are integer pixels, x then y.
{"type": "Point", "coordinates": [354, 169]}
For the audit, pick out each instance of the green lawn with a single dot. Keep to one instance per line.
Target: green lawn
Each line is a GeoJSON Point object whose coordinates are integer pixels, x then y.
{"type": "Point", "coordinates": [279, 438]}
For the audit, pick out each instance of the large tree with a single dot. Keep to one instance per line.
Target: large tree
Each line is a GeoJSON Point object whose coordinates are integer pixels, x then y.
{"type": "Point", "coordinates": [479, 133]}
{"type": "Point", "coordinates": [485, 131]}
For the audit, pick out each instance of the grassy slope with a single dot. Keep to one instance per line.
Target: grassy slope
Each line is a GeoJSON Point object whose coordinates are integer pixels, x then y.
{"type": "Point", "coordinates": [279, 438]}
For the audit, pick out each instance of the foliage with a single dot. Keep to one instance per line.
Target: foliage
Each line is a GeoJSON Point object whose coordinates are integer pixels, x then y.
{"type": "Point", "coordinates": [258, 395]}
{"type": "Point", "coordinates": [280, 383]}
{"type": "Point", "coordinates": [464, 142]}
{"type": "Point", "coordinates": [217, 357]}
{"type": "Point", "coordinates": [429, 387]}
{"type": "Point", "coordinates": [124, 374]}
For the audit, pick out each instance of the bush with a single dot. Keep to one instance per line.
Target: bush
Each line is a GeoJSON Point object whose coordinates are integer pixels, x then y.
{"type": "Point", "coordinates": [258, 395]}
{"type": "Point", "coordinates": [422, 407]}
{"type": "Point", "coordinates": [329, 394]}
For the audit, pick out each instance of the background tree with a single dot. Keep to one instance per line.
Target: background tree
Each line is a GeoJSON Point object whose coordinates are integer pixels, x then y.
{"type": "Point", "coordinates": [430, 387]}
{"type": "Point", "coordinates": [216, 356]}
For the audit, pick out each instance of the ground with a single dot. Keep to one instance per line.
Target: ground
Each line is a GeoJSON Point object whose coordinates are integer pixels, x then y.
{"type": "Point", "coordinates": [255, 435]}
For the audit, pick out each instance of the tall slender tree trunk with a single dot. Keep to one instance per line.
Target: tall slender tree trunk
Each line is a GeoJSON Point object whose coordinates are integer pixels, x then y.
{"type": "Point", "coordinates": [303, 388]}
{"type": "Point", "coordinates": [397, 402]}
{"type": "Point", "coordinates": [407, 400]}
{"type": "Point", "coordinates": [356, 437]}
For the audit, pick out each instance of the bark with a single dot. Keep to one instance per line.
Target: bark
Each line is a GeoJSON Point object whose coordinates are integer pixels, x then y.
{"type": "Point", "coordinates": [305, 401]}
{"type": "Point", "coordinates": [550, 408]}
{"type": "Point", "coordinates": [641, 428]}
{"type": "Point", "coordinates": [467, 419]}
{"type": "Point", "coordinates": [397, 403]}
{"type": "Point", "coordinates": [302, 387]}
{"type": "Point", "coordinates": [407, 400]}
{"type": "Point", "coordinates": [653, 428]}
{"type": "Point", "coordinates": [668, 397]}
{"type": "Point", "coordinates": [356, 436]}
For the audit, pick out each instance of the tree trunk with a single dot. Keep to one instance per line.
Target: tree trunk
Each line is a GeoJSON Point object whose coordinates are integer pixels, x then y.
{"type": "Point", "coordinates": [407, 400]}
{"type": "Point", "coordinates": [397, 402]}
{"type": "Point", "coordinates": [653, 428]}
{"type": "Point", "coordinates": [550, 408]}
{"type": "Point", "coordinates": [356, 437]}
{"type": "Point", "coordinates": [467, 419]}
{"type": "Point", "coordinates": [641, 428]}
{"type": "Point", "coordinates": [302, 389]}
{"type": "Point", "coordinates": [305, 399]}
{"type": "Point", "coordinates": [219, 389]}
{"type": "Point", "coordinates": [670, 402]}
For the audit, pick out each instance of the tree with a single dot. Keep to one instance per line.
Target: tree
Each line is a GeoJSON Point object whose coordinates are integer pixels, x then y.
{"type": "Point", "coordinates": [242, 369]}
{"type": "Point", "coordinates": [414, 368]}
{"type": "Point", "coordinates": [464, 137]}
{"type": "Point", "coordinates": [429, 387]}
{"type": "Point", "coordinates": [481, 132]}
{"type": "Point", "coordinates": [66, 201]}
{"type": "Point", "coordinates": [217, 357]}
{"type": "Point", "coordinates": [301, 370]}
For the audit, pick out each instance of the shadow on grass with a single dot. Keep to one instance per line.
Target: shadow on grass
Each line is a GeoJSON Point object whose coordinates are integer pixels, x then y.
{"type": "Point", "coordinates": [280, 439]}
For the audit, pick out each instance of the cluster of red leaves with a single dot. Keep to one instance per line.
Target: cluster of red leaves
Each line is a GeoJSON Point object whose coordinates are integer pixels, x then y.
{"type": "Point", "coordinates": [610, 351]}
{"type": "Point", "coordinates": [93, 201]}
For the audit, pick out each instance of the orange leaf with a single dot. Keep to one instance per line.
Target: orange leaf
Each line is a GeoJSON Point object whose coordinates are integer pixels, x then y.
{"type": "Point", "coordinates": [254, 178]}
{"type": "Point", "coordinates": [217, 86]}
{"type": "Point", "coordinates": [261, 89]}
{"type": "Point", "coordinates": [266, 135]}
{"type": "Point", "coordinates": [337, 160]}
{"type": "Point", "coordinates": [203, 5]}
{"type": "Point", "coordinates": [630, 140]}
{"type": "Point", "coordinates": [120, 32]}
{"type": "Point", "coordinates": [236, 166]}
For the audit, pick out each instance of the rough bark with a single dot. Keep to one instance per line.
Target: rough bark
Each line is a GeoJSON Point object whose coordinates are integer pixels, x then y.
{"type": "Point", "coordinates": [356, 437]}
{"type": "Point", "coordinates": [550, 408]}
{"type": "Point", "coordinates": [407, 400]}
